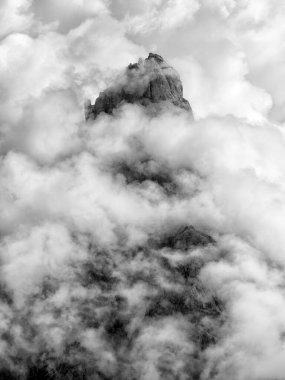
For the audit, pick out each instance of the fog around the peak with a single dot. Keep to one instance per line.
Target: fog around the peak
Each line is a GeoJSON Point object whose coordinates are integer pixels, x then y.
{"type": "Point", "coordinates": [86, 286]}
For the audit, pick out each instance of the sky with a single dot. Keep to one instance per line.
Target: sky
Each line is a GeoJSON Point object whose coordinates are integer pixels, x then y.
{"type": "Point", "coordinates": [64, 201]}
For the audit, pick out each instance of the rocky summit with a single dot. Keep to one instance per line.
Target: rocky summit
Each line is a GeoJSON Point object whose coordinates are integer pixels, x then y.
{"type": "Point", "coordinates": [151, 83]}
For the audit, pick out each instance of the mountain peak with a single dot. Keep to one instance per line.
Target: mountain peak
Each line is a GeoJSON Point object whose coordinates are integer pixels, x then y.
{"type": "Point", "coordinates": [151, 82]}
{"type": "Point", "coordinates": [157, 57]}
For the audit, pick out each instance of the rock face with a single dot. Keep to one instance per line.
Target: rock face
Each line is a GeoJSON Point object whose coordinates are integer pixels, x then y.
{"type": "Point", "coordinates": [185, 237]}
{"type": "Point", "coordinates": [150, 82]}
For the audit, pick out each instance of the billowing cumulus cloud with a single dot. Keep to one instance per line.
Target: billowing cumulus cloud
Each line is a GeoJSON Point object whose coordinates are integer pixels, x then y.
{"type": "Point", "coordinates": [97, 277]}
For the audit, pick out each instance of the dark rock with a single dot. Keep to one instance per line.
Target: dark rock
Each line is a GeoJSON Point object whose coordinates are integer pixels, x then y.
{"type": "Point", "coordinates": [5, 374]}
{"type": "Point", "coordinates": [147, 171]}
{"type": "Point", "coordinates": [194, 302]}
{"type": "Point", "coordinates": [36, 373]}
{"type": "Point", "coordinates": [189, 269]}
{"type": "Point", "coordinates": [184, 238]}
{"type": "Point", "coordinates": [99, 275]}
{"type": "Point", "coordinates": [148, 82]}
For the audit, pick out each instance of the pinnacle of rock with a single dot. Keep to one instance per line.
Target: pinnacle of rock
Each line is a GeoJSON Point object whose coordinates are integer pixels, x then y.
{"type": "Point", "coordinates": [151, 83]}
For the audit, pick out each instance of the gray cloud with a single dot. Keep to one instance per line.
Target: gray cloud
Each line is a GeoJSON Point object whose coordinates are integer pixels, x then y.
{"type": "Point", "coordinates": [88, 288]}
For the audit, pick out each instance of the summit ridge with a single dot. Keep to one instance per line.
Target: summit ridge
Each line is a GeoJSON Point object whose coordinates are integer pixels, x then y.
{"type": "Point", "coordinates": [151, 82]}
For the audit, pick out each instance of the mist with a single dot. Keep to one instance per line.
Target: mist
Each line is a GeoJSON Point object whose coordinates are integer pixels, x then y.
{"type": "Point", "coordinates": [93, 283]}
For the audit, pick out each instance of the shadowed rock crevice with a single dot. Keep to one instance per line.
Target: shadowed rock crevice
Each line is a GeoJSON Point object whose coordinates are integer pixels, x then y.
{"type": "Point", "coordinates": [150, 82]}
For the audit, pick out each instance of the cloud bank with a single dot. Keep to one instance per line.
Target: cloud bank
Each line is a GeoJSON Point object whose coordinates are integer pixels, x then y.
{"type": "Point", "coordinates": [87, 288]}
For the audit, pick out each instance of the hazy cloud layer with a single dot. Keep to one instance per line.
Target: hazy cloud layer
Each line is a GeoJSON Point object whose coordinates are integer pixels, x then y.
{"type": "Point", "coordinates": [80, 278]}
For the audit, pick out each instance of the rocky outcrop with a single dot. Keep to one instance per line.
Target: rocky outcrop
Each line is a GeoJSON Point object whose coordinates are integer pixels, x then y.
{"type": "Point", "coordinates": [150, 82]}
{"type": "Point", "coordinates": [185, 237]}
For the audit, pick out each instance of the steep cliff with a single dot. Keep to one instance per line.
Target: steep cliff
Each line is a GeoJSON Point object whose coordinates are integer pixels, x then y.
{"type": "Point", "coordinates": [150, 82]}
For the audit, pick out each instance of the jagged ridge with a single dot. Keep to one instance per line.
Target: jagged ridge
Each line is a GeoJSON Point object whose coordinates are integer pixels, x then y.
{"type": "Point", "coordinates": [148, 82]}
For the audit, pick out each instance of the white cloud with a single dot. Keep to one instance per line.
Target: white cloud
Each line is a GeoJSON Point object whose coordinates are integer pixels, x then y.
{"type": "Point", "coordinates": [161, 16]}
{"type": "Point", "coordinates": [30, 256]}
{"type": "Point", "coordinates": [68, 207]}
{"type": "Point", "coordinates": [15, 16]}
